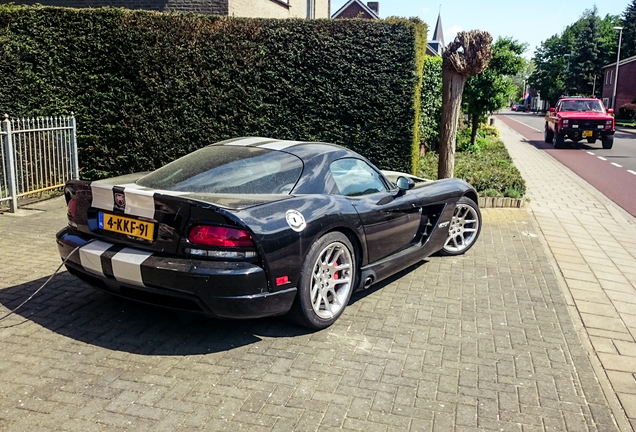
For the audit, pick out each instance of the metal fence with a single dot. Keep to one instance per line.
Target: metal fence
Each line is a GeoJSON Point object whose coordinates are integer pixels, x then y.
{"type": "Point", "coordinates": [36, 155]}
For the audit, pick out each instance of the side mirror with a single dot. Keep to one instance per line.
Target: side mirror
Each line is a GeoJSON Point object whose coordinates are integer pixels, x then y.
{"type": "Point", "coordinates": [405, 183]}
{"type": "Point", "coordinates": [610, 111]}
{"type": "Point", "coordinates": [551, 109]}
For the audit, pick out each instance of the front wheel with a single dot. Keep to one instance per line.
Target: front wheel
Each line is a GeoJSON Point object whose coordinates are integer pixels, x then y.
{"type": "Point", "coordinates": [326, 281]}
{"type": "Point", "coordinates": [607, 141]}
{"type": "Point", "coordinates": [464, 227]}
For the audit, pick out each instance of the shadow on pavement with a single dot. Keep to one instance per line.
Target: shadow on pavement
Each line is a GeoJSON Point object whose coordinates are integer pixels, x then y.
{"type": "Point", "coordinates": [76, 310]}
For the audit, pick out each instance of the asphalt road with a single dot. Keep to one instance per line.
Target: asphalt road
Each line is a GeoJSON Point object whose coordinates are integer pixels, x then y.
{"type": "Point", "coordinates": [612, 172]}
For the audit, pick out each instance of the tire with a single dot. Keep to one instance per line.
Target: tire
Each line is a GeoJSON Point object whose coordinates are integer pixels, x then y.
{"type": "Point", "coordinates": [464, 228]}
{"type": "Point", "coordinates": [326, 282]}
{"type": "Point", "coordinates": [558, 140]}
{"type": "Point", "coordinates": [607, 141]}
{"type": "Point", "coordinates": [547, 134]}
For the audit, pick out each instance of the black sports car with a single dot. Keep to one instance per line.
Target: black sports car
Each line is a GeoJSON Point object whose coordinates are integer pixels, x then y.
{"type": "Point", "coordinates": [255, 227]}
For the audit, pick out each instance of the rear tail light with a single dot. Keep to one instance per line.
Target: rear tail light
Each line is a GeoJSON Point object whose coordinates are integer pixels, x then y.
{"type": "Point", "coordinates": [209, 235]}
{"type": "Point", "coordinates": [221, 237]}
{"type": "Point", "coordinates": [71, 205]}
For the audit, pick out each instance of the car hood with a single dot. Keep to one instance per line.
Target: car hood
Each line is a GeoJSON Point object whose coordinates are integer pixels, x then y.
{"type": "Point", "coordinates": [585, 115]}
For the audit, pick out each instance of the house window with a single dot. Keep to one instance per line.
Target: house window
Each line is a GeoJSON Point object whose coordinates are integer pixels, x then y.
{"type": "Point", "coordinates": [311, 9]}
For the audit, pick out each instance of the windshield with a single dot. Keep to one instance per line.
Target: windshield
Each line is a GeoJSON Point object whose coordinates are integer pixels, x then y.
{"type": "Point", "coordinates": [228, 169]}
{"type": "Point", "coordinates": [583, 106]}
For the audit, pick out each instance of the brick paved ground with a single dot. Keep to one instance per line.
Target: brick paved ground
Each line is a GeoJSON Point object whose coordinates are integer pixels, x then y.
{"type": "Point", "coordinates": [479, 342]}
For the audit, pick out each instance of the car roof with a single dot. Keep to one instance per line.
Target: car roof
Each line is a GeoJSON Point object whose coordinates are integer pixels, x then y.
{"type": "Point", "coordinates": [303, 149]}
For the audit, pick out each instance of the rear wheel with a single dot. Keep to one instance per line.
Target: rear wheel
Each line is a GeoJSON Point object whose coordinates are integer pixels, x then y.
{"type": "Point", "coordinates": [608, 141]}
{"type": "Point", "coordinates": [559, 140]}
{"type": "Point", "coordinates": [547, 134]}
{"type": "Point", "coordinates": [464, 227]}
{"type": "Point", "coordinates": [326, 281]}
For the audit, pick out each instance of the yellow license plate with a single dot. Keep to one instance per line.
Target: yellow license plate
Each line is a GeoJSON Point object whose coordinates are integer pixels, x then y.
{"type": "Point", "coordinates": [128, 226]}
{"type": "Point", "coordinates": [587, 134]}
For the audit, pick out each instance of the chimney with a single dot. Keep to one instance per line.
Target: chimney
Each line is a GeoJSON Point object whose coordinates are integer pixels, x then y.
{"type": "Point", "coordinates": [375, 7]}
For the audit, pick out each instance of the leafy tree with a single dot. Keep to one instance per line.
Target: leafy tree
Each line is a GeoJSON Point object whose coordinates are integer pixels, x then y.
{"type": "Point", "coordinates": [520, 80]}
{"type": "Point", "coordinates": [586, 60]}
{"type": "Point", "coordinates": [492, 89]}
{"type": "Point", "coordinates": [628, 45]}
{"type": "Point", "coordinates": [571, 62]}
{"type": "Point", "coordinates": [431, 102]}
{"type": "Point", "coordinates": [551, 65]}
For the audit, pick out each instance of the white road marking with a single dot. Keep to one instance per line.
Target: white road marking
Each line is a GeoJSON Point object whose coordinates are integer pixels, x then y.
{"type": "Point", "coordinates": [617, 165]}
{"type": "Point", "coordinates": [632, 172]}
{"type": "Point", "coordinates": [601, 158]}
{"type": "Point", "coordinates": [590, 153]}
{"type": "Point", "coordinates": [514, 119]}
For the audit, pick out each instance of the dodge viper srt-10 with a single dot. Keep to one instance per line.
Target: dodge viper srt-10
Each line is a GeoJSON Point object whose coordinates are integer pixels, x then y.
{"type": "Point", "coordinates": [255, 227]}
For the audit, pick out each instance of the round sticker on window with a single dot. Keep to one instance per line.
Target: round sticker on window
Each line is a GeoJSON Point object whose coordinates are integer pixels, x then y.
{"type": "Point", "coordinates": [295, 220]}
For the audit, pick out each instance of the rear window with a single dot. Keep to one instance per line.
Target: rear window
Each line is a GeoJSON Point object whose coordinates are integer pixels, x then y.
{"type": "Point", "coordinates": [228, 169]}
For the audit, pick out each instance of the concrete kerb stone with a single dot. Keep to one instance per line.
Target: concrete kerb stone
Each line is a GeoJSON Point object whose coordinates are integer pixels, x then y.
{"type": "Point", "coordinates": [622, 218]}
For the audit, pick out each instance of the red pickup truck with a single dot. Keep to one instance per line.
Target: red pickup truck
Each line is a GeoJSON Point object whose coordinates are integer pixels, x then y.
{"type": "Point", "coordinates": [577, 119]}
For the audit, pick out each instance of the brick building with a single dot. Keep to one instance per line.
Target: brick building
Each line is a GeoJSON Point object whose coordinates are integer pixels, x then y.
{"type": "Point", "coordinates": [357, 9]}
{"type": "Point", "coordinates": [240, 8]}
{"type": "Point", "coordinates": [625, 86]}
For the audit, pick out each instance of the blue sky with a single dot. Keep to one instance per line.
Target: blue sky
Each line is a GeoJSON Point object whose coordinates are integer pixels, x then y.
{"type": "Point", "coordinates": [529, 21]}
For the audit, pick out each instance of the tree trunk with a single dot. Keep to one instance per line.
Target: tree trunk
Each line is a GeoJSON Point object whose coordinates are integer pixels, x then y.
{"type": "Point", "coordinates": [452, 89]}
{"type": "Point", "coordinates": [475, 125]}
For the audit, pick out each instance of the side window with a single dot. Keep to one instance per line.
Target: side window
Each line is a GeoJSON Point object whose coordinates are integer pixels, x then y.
{"type": "Point", "coordinates": [354, 177]}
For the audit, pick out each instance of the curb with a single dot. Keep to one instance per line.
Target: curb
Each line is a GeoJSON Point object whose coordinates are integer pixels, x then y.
{"type": "Point", "coordinates": [500, 202]}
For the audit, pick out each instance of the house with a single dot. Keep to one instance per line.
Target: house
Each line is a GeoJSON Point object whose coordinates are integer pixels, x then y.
{"type": "Point", "coordinates": [357, 9]}
{"type": "Point", "coordinates": [239, 8]}
{"type": "Point", "coordinates": [625, 85]}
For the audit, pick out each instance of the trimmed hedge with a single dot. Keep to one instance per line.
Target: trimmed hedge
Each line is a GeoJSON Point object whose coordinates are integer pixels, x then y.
{"type": "Point", "coordinates": [149, 87]}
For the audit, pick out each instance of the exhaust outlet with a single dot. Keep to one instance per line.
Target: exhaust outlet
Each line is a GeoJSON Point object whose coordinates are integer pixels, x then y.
{"type": "Point", "coordinates": [367, 282]}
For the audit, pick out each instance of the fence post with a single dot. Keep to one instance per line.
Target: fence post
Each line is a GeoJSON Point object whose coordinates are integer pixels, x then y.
{"type": "Point", "coordinates": [74, 146]}
{"type": "Point", "coordinates": [6, 127]}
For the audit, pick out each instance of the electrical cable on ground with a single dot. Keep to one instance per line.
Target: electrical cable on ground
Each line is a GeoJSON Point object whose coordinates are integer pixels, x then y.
{"type": "Point", "coordinates": [39, 289]}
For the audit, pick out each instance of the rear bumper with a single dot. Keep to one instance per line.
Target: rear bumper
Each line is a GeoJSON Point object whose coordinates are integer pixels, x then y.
{"type": "Point", "coordinates": [217, 289]}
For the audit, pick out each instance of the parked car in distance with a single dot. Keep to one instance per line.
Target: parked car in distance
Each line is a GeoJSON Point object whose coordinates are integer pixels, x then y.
{"type": "Point", "coordinates": [254, 227]}
{"type": "Point", "coordinates": [578, 118]}
{"type": "Point", "coordinates": [519, 107]}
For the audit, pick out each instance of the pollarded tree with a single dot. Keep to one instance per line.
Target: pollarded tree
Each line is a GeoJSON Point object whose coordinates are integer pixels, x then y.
{"type": "Point", "coordinates": [466, 56]}
{"type": "Point", "coordinates": [491, 89]}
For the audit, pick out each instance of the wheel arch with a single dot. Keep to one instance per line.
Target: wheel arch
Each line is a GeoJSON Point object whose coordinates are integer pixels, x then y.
{"type": "Point", "coordinates": [473, 196]}
{"type": "Point", "coordinates": [356, 242]}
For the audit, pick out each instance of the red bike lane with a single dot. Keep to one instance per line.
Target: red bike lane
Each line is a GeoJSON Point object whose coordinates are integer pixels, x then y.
{"type": "Point", "coordinates": [615, 182]}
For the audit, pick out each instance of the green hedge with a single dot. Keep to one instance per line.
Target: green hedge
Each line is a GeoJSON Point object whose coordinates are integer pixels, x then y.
{"type": "Point", "coordinates": [149, 87]}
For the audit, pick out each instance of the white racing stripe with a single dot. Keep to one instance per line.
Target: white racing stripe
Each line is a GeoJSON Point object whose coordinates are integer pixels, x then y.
{"type": "Point", "coordinates": [90, 256]}
{"type": "Point", "coordinates": [140, 203]}
{"type": "Point", "coordinates": [279, 145]}
{"type": "Point", "coordinates": [102, 196]}
{"type": "Point", "coordinates": [248, 141]}
{"type": "Point", "coordinates": [127, 265]}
